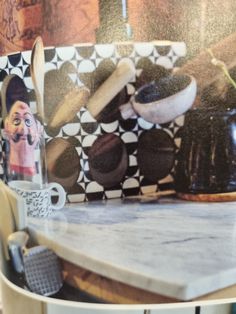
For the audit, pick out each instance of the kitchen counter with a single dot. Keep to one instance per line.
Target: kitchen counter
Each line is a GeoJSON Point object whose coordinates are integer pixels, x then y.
{"type": "Point", "coordinates": [176, 249]}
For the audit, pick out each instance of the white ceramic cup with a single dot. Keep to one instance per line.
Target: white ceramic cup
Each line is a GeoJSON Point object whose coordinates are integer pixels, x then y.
{"type": "Point", "coordinates": [38, 201]}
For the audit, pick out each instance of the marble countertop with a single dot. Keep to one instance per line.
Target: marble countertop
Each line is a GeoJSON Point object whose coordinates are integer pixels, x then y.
{"type": "Point", "coordinates": [174, 248]}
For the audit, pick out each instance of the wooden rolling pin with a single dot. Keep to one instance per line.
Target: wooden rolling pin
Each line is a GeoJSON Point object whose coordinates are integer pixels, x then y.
{"type": "Point", "coordinates": [122, 75]}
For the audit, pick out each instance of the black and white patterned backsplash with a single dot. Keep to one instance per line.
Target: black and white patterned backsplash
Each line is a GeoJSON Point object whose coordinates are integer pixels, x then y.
{"type": "Point", "coordinates": [73, 65]}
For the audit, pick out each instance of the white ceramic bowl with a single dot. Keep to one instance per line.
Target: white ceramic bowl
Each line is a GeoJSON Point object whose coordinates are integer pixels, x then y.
{"type": "Point", "coordinates": [165, 109]}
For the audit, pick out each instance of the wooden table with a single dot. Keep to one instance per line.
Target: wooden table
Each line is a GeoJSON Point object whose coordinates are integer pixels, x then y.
{"type": "Point", "coordinates": [130, 252]}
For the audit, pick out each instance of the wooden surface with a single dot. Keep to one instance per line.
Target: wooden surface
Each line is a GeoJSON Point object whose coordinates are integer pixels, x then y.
{"type": "Point", "coordinates": [218, 197]}
{"type": "Point", "coordinates": [108, 290]}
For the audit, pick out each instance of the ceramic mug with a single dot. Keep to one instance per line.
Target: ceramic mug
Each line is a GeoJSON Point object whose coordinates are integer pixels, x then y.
{"type": "Point", "coordinates": [38, 201]}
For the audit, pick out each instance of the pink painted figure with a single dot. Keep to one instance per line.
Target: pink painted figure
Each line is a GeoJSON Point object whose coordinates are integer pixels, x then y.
{"type": "Point", "coordinates": [23, 132]}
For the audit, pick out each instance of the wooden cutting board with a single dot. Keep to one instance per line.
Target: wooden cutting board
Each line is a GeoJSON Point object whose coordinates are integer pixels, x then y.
{"type": "Point", "coordinates": [218, 197]}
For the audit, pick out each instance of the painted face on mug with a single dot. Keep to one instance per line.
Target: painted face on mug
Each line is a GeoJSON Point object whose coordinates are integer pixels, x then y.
{"type": "Point", "coordinates": [21, 124]}
{"type": "Point", "coordinates": [23, 132]}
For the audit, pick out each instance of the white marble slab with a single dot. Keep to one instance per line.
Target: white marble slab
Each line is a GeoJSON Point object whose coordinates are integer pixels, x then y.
{"type": "Point", "coordinates": [174, 248]}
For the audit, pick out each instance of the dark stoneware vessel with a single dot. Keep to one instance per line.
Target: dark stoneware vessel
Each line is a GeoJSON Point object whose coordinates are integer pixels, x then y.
{"type": "Point", "coordinates": [207, 156]}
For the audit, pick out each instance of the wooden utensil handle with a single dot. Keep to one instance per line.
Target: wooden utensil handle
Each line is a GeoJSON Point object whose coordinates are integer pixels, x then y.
{"type": "Point", "coordinates": [124, 72]}
{"type": "Point", "coordinates": [54, 150]}
{"type": "Point", "coordinates": [37, 69]}
{"type": "Point", "coordinates": [68, 107]}
{"type": "Point", "coordinates": [201, 67]}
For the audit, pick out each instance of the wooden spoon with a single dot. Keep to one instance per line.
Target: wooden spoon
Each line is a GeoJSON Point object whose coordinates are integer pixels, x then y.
{"type": "Point", "coordinates": [37, 74]}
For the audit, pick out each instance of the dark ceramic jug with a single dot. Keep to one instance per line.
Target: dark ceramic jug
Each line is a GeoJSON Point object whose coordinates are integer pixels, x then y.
{"type": "Point", "coordinates": [206, 162]}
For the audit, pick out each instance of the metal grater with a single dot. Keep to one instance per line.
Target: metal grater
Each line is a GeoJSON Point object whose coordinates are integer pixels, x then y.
{"type": "Point", "coordinates": [42, 271]}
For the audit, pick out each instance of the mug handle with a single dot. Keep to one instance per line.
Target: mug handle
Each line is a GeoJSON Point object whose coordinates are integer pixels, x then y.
{"type": "Point", "coordinates": [61, 195]}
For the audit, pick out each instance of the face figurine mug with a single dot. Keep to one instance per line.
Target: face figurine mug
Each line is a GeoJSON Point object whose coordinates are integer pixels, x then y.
{"type": "Point", "coordinates": [23, 133]}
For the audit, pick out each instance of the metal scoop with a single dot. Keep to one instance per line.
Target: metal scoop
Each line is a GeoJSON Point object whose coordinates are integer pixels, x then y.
{"type": "Point", "coordinates": [39, 266]}
{"type": "Point", "coordinates": [16, 242]}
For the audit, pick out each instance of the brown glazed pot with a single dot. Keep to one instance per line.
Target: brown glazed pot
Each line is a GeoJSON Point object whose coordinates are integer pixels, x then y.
{"type": "Point", "coordinates": [207, 156]}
